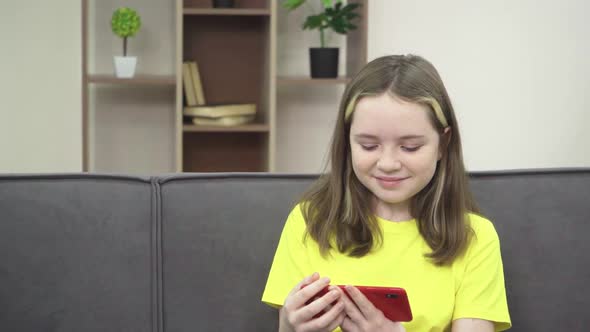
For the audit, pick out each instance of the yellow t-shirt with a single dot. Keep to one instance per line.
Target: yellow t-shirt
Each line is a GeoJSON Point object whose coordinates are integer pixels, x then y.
{"type": "Point", "coordinates": [471, 287]}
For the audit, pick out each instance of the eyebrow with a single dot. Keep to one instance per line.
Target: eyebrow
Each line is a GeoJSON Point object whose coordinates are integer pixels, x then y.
{"type": "Point", "coordinates": [412, 137]}
{"type": "Point", "coordinates": [405, 137]}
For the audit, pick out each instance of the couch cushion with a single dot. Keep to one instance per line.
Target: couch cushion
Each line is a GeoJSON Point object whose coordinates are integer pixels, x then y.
{"type": "Point", "coordinates": [219, 237]}
{"type": "Point", "coordinates": [75, 253]}
{"type": "Point", "coordinates": [543, 220]}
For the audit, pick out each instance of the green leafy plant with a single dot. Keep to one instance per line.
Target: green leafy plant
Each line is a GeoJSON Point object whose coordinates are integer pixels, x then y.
{"type": "Point", "coordinates": [335, 16]}
{"type": "Point", "coordinates": [125, 23]}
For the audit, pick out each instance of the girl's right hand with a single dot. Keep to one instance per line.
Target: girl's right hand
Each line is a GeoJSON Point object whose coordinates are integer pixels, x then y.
{"type": "Point", "coordinates": [297, 316]}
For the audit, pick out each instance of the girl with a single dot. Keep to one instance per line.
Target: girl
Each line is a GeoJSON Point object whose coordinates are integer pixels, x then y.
{"type": "Point", "coordinates": [395, 210]}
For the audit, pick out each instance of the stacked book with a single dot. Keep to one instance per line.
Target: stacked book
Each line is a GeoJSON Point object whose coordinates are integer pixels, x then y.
{"type": "Point", "coordinates": [199, 113]}
{"type": "Point", "coordinates": [221, 115]}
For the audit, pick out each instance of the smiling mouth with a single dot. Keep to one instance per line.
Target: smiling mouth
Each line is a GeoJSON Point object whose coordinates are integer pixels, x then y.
{"type": "Point", "coordinates": [389, 182]}
{"type": "Point", "coordinates": [390, 179]}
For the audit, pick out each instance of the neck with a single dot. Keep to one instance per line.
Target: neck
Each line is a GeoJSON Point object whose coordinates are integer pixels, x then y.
{"type": "Point", "coordinates": [393, 211]}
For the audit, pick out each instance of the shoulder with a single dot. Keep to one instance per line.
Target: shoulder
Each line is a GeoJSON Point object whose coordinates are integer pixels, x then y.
{"type": "Point", "coordinates": [483, 229]}
{"type": "Point", "coordinates": [295, 229]}
{"type": "Point", "coordinates": [484, 237]}
{"type": "Point", "coordinates": [295, 221]}
{"type": "Point", "coordinates": [484, 243]}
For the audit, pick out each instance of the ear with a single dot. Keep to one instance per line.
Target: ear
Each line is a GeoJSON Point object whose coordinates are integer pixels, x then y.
{"type": "Point", "coordinates": [445, 139]}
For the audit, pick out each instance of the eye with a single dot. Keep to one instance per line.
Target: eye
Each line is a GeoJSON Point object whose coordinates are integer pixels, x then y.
{"type": "Point", "coordinates": [368, 147]}
{"type": "Point", "coordinates": [411, 149]}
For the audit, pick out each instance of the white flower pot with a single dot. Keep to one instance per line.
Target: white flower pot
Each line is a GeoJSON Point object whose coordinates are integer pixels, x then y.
{"type": "Point", "coordinates": [125, 66]}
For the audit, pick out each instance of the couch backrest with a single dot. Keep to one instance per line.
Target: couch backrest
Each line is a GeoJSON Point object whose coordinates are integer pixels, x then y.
{"type": "Point", "coordinates": [191, 252]}
{"type": "Point", "coordinates": [77, 253]}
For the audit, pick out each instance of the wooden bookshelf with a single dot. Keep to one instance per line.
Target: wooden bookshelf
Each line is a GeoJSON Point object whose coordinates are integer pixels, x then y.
{"type": "Point", "coordinates": [236, 51]}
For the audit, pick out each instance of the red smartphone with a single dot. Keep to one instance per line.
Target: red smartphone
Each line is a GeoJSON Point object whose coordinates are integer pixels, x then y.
{"type": "Point", "coordinates": [392, 301]}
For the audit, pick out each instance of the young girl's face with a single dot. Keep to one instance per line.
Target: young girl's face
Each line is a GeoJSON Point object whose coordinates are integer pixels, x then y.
{"type": "Point", "coordinates": [394, 149]}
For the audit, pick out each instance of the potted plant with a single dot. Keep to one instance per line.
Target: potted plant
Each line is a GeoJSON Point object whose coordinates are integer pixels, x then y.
{"type": "Point", "coordinates": [335, 16]}
{"type": "Point", "coordinates": [125, 23]}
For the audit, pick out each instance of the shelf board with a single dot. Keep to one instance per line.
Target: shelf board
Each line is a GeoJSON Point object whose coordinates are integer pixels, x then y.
{"type": "Point", "coordinates": [137, 80]}
{"type": "Point", "coordinates": [227, 12]}
{"type": "Point", "coordinates": [303, 80]}
{"type": "Point", "coordinates": [253, 127]}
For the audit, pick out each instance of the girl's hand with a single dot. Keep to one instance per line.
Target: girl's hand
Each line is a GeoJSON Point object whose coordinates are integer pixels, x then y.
{"type": "Point", "coordinates": [297, 316]}
{"type": "Point", "coordinates": [362, 316]}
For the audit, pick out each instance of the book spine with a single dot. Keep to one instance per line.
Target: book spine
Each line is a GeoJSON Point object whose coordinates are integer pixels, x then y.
{"type": "Point", "coordinates": [197, 83]}
{"type": "Point", "coordinates": [189, 90]}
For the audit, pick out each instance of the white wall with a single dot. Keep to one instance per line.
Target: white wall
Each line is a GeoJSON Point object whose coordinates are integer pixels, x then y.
{"type": "Point", "coordinates": [40, 86]}
{"type": "Point", "coordinates": [518, 73]}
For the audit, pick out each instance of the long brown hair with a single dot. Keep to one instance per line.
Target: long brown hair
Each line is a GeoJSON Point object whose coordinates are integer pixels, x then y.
{"type": "Point", "coordinates": [337, 208]}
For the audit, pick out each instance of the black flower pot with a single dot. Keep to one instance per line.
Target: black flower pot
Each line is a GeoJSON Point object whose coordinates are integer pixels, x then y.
{"type": "Point", "coordinates": [324, 62]}
{"type": "Point", "coordinates": [223, 3]}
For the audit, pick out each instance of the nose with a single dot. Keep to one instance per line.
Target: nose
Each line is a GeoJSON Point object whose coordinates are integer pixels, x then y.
{"type": "Point", "coordinates": [388, 162]}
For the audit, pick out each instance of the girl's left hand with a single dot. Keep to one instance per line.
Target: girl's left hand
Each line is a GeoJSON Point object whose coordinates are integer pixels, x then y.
{"type": "Point", "coordinates": [362, 316]}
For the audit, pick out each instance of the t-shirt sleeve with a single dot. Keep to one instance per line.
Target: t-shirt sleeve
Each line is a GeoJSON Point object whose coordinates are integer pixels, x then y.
{"type": "Point", "coordinates": [290, 264]}
{"type": "Point", "coordinates": [482, 294]}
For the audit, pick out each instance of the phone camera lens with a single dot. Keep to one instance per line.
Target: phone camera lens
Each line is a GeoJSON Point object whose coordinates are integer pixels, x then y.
{"type": "Point", "coordinates": [391, 296]}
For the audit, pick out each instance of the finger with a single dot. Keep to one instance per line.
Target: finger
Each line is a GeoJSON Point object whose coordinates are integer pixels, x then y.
{"type": "Point", "coordinates": [305, 294]}
{"type": "Point", "coordinates": [304, 282]}
{"type": "Point", "coordinates": [320, 305]}
{"type": "Point", "coordinates": [330, 317]}
{"type": "Point", "coordinates": [352, 311]}
{"type": "Point", "coordinates": [364, 305]}
{"type": "Point", "coordinates": [338, 321]}
{"type": "Point", "coordinates": [313, 277]}
{"type": "Point", "coordinates": [329, 306]}
{"type": "Point", "coordinates": [292, 305]}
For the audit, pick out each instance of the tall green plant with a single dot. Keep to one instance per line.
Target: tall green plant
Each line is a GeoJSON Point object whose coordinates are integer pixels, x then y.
{"type": "Point", "coordinates": [335, 16]}
{"type": "Point", "coordinates": [125, 23]}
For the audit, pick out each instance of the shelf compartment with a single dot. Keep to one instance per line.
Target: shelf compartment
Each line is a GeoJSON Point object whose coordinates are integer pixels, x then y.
{"type": "Point", "coordinates": [225, 152]}
{"type": "Point", "coordinates": [231, 54]}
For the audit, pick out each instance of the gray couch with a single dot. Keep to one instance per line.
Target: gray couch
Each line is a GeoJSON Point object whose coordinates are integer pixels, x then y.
{"type": "Point", "coordinates": [191, 252]}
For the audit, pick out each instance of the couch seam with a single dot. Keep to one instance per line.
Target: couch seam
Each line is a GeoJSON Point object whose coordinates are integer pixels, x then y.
{"type": "Point", "coordinates": [156, 261]}
{"type": "Point", "coordinates": [160, 266]}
